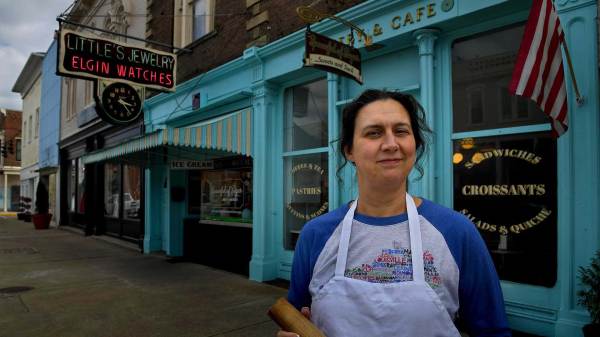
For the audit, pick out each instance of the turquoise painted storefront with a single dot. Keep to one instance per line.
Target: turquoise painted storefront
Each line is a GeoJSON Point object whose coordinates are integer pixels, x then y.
{"type": "Point", "coordinates": [417, 56]}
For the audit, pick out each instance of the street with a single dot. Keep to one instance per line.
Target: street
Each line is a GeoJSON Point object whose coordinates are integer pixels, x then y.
{"type": "Point", "coordinates": [59, 283]}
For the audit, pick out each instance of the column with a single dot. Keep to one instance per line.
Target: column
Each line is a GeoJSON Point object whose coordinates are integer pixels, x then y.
{"type": "Point", "coordinates": [264, 262]}
{"type": "Point", "coordinates": [153, 211]}
{"type": "Point", "coordinates": [333, 131]}
{"type": "Point", "coordinates": [5, 192]}
{"type": "Point", "coordinates": [425, 42]}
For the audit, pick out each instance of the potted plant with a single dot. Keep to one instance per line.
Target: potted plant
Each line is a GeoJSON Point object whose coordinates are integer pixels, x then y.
{"type": "Point", "coordinates": [41, 219]}
{"type": "Point", "coordinates": [589, 297]}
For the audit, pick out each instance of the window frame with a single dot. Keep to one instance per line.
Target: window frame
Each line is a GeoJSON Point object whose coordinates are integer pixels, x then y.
{"type": "Point", "coordinates": [534, 127]}
{"type": "Point", "coordinates": [288, 155]}
{"type": "Point", "coordinates": [183, 22]}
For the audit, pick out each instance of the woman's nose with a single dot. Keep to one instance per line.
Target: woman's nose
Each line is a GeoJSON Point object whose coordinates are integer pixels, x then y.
{"type": "Point", "coordinates": [389, 142]}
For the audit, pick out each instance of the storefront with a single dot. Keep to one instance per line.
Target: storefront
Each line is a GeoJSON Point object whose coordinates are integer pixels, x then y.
{"type": "Point", "coordinates": [532, 197]}
{"type": "Point", "coordinates": [101, 197]}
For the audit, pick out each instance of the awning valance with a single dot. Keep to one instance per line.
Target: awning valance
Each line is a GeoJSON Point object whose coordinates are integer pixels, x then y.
{"type": "Point", "coordinates": [230, 133]}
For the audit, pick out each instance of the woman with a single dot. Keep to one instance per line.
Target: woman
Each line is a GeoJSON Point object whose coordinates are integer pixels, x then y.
{"type": "Point", "coordinates": [353, 267]}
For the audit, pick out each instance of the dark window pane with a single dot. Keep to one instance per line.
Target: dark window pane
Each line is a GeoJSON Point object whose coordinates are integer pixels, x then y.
{"type": "Point", "coordinates": [305, 193]}
{"type": "Point", "coordinates": [506, 185]}
{"type": "Point", "coordinates": [80, 186]}
{"type": "Point", "coordinates": [112, 184]}
{"type": "Point", "coordinates": [306, 116]}
{"type": "Point", "coordinates": [71, 185]}
{"type": "Point", "coordinates": [131, 192]}
{"type": "Point", "coordinates": [226, 195]}
{"type": "Point", "coordinates": [486, 62]}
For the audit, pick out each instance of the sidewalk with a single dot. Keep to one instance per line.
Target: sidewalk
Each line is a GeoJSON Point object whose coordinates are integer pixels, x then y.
{"type": "Point", "coordinates": [58, 283]}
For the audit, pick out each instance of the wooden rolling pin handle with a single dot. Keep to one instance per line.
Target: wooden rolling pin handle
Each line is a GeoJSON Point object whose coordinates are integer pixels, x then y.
{"type": "Point", "coordinates": [290, 319]}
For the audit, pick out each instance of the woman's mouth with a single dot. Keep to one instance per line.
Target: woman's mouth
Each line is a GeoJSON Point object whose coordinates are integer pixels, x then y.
{"type": "Point", "coordinates": [389, 161]}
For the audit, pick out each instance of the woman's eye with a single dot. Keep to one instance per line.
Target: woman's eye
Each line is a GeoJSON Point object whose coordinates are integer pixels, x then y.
{"type": "Point", "coordinates": [402, 131]}
{"type": "Point", "coordinates": [373, 134]}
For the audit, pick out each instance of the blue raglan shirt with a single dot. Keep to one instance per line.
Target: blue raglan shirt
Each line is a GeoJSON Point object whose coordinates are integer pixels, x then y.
{"type": "Point", "coordinates": [477, 288]}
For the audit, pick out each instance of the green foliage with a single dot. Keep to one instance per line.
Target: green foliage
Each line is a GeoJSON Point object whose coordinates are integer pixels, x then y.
{"type": "Point", "coordinates": [589, 297]}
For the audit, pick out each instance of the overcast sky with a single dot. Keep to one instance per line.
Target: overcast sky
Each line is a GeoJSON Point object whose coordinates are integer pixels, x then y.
{"type": "Point", "coordinates": [26, 26]}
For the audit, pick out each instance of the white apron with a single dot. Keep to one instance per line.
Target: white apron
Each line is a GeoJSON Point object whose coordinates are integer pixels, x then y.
{"type": "Point", "coordinates": [347, 307]}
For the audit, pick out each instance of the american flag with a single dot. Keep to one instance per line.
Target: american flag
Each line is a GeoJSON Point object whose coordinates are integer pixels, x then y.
{"type": "Point", "coordinates": [538, 70]}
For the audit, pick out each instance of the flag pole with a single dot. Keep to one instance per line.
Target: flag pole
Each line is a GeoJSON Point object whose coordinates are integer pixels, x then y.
{"type": "Point", "coordinates": [578, 96]}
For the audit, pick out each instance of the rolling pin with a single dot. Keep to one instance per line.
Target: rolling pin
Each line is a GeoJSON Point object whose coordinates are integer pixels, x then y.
{"type": "Point", "coordinates": [292, 320]}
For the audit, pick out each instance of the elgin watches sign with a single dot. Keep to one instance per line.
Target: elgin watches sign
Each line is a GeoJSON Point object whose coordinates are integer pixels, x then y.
{"type": "Point", "coordinates": [88, 56]}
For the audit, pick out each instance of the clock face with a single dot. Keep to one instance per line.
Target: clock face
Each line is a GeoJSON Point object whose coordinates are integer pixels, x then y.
{"type": "Point", "coordinates": [121, 103]}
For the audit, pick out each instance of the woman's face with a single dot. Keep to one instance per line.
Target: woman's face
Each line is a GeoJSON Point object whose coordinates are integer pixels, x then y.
{"type": "Point", "coordinates": [383, 146]}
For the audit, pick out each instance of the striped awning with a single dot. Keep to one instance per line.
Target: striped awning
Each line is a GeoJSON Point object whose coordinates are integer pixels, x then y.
{"type": "Point", "coordinates": [230, 133]}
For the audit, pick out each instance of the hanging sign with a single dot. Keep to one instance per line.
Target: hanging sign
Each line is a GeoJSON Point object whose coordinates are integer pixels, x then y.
{"type": "Point", "coordinates": [332, 56]}
{"type": "Point", "coordinates": [87, 56]}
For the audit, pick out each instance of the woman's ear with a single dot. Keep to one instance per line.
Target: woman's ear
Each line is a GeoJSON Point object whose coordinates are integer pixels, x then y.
{"type": "Point", "coordinates": [348, 154]}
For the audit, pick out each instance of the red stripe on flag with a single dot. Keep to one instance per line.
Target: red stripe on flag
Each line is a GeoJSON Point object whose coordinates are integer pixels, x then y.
{"type": "Point", "coordinates": [539, 73]}
{"type": "Point", "coordinates": [552, 53]}
{"type": "Point", "coordinates": [532, 81]}
{"type": "Point", "coordinates": [525, 45]}
{"type": "Point", "coordinates": [557, 86]}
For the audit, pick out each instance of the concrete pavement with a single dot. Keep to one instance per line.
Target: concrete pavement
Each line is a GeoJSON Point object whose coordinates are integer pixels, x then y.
{"type": "Point", "coordinates": [58, 283]}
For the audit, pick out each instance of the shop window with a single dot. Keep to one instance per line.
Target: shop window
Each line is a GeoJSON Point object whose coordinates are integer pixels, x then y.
{"type": "Point", "coordinates": [131, 192]}
{"type": "Point", "coordinates": [80, 186]}
{"type": "Point", "coordinates": [72, 185]}
{"type": "Point", "coordinates": [225, 193]}
{"type": "Point", "coordinates": [305, 157]}
{"type": "Point", "coordinates": [505, 178]}
{"type": "Point", "coordinates": [112, 188]}
{"type": "Point", "coordinates": [306, 116]}
{"type": "Point", "coordinates": [305, 191]}
{"type": "Point", "coordinates": [475, 101]}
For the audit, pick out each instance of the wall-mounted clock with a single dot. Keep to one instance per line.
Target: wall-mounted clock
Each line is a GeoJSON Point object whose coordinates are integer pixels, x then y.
{"type": "Point", "coordinates": [121, 103]}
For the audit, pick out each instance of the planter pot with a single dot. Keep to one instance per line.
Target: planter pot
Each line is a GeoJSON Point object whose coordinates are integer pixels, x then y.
{"type": "Point", "coordinates": [41, 221]}
{"type": "Point", "coordinates": [591, 330]}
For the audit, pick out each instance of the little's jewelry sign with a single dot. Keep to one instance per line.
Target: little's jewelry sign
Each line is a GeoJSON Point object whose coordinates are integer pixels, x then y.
{"type": "Point", "coordinates": [88, 56]}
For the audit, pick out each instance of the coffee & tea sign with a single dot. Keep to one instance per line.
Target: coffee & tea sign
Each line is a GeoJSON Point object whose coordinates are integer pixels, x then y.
{"type": "Point", "coordinates": [88, 56]}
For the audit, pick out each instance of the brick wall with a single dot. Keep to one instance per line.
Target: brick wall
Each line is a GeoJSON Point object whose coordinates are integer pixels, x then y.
{"type": "Point", "coordinates": [159, 26]}
{"type": "Point", "coordinates": [11, 124]}
{"type": "Point", "coordinates": [238, 25]}
{"type": "Point", "coordinates": [283, 19]}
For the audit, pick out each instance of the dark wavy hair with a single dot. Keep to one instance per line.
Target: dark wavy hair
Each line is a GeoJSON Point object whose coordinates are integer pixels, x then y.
{"type": "Point", "coordinates": [421, 131]}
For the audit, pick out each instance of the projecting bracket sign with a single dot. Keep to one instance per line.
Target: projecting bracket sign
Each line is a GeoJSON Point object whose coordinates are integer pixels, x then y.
{"type": "Point", "coordinates": [90, 57]}
{"type": "Point", "coordinates": [332, 56]}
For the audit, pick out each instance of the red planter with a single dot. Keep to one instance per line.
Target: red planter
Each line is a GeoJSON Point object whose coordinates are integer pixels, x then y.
{"type": "Point", "coordinates": [41, 221]}
{"type": "Point", "coordinates": [591, 330]}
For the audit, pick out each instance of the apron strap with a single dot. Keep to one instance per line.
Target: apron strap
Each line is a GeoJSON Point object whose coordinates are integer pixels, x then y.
{"type": "Point", "coordinates": [416, 245]}
{"type": "Point", "coordinates": [342, 255]}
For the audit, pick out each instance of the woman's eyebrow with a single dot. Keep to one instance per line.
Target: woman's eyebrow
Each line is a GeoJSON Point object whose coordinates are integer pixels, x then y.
{"type": "Point", "coordinates": [380, 125]}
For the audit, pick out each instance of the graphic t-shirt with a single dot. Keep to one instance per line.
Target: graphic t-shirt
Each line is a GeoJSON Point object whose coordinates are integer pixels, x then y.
{"type": "Point", "coordinates": [456, 262]}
